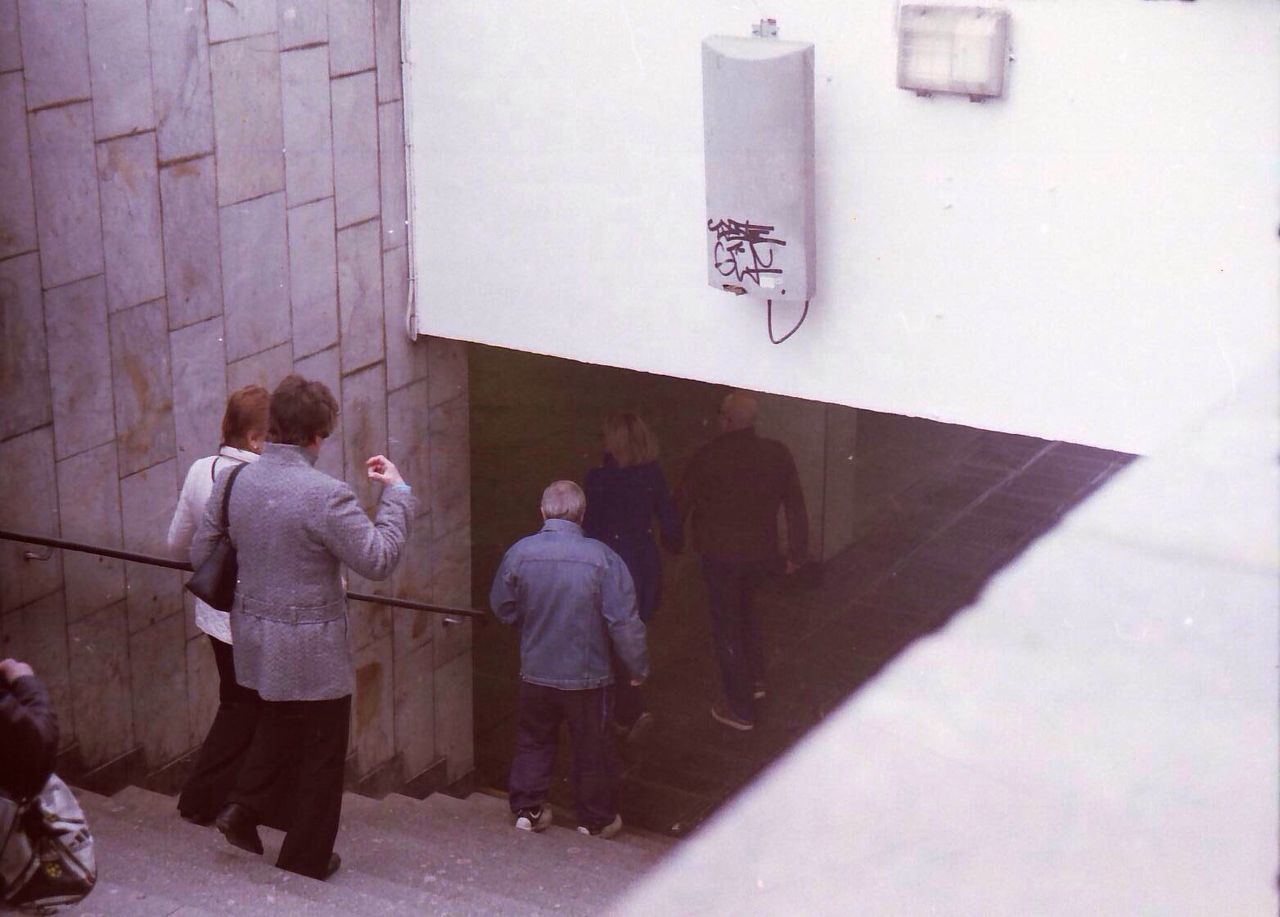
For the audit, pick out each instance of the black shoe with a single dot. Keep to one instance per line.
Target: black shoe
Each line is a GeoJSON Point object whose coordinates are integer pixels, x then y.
{"type": "Point", "coordinates": [335, 863]}
{"type": "Point", "coordinates": [238, 826]}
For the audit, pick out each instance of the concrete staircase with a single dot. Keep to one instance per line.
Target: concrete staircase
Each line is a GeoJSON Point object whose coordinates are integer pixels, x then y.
{"type": "Point", "coordinates": [439, 855]}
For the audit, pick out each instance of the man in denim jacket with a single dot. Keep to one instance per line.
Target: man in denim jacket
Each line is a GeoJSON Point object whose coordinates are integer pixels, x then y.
{"type": "Point", "coordinates": [570, 595]}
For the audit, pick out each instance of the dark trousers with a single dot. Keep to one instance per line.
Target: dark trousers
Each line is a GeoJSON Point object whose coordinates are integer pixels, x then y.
{"type": "Point", "coordinates": [311, 736]}
{"type": "Point", "coordinates": [731, 587]}
{"type": "Point", "coordinates": [225, 746]}
{"type": "Point", "coordinates": [589, 715]}
{"type": "Point", "coordinates": [628, 700]}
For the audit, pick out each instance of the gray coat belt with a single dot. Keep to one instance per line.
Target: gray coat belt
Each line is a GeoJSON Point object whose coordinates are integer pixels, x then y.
{"type": "Point", "coordinates": [293, 528]}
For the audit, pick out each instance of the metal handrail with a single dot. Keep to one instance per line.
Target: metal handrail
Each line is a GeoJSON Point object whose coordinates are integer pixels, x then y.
{"type": "Point", "coordinates": [44, 541]}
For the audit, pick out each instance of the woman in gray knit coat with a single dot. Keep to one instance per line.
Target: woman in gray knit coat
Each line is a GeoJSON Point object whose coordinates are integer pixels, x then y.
{"type": "Point", "coordinates": [294, 528]}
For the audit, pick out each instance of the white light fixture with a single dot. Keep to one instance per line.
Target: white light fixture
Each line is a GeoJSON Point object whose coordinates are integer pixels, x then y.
{"type": "Point", "coordinates": [953, 49]}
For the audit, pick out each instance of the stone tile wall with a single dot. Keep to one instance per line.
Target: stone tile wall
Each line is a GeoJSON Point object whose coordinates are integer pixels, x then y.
{"type": "Point", "coordinates": [197, 196]}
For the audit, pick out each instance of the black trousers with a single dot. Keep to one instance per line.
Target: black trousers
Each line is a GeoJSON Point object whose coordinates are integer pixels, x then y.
{"type": "Point", "coordinates": [589, 715]}
{"type": "Point", "coordinates": [225, 746]}
{"type": "Point", "coordinates": [311, 737]}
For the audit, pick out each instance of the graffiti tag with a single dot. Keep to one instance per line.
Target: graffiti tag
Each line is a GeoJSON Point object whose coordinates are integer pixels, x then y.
{"type": "Point", "coordinates": [742, 249]}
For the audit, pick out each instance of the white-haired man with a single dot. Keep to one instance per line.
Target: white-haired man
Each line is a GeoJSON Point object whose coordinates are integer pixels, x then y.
{"type": "Point", "coordinates": [572, 598]}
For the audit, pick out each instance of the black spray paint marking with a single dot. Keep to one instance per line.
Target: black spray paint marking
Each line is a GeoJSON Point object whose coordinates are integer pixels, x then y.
{"type": "Point", "coordinates": [739, 252]}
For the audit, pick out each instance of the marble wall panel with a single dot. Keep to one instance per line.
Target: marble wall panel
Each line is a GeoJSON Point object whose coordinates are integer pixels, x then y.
{"type": "Point", "coordinates": [129, 190]}
{"type": "Point", "coordinates": [450, 466]}
{"type": "Point", "coordinates": [180, 71]}
{"type": "Point", "coordinates": [364, 409]}
{"type": "Point", "coordinates": [239, 20]}
{"type": "Point", "coordinates": [89, 506]}
{"type": "Point", "coordinates": [453, 717]}
{"type": "Point", "coordinates": [255, 275]}
{"type": "Point", "coordinates": [313, 277]}
{"type": "Point", "coordinates": [148, 499]}
{"type": "Point", "coordinates": [25, 402]}
{"type": "Point", "coordinates": [447, 368]}
{"type": "Point", "coordinates": [406, 359]}
{"type": "Point", "coordinates": [265, 369]}
{"type": "Point", "coordinates": [199, 390]}
{"type": "Point", "coordinates": [80, 365]}
{"type": "Point", "coordinates": [120, 67]}
{"type": "Point", "coordinates": [370, 623]}
{"type": "Point", "coordinates": [408, 439]}
{"type": "Point", "coordinates": [324, 366]}
{"type": "Point", "coordinates": [193, 272]}
{"type": "Point", "coordinates": [158, 661]}
{"type": "Point", "coordinates": [202, 688]}
{"type": "Point", "coordinates": [450, 564]}
{"type": "Point", "coordinates": [355, 148]}
{"type": "Point", "coordinates": [28, 503]}
{"type": "Point", "coordinates": [386, 21]}
{"type": "Point", "coordinates": [303, 22]}
{"type": "Point", "coordinates": [18, 215]}
{"type": "Point", "coordinates": [360, 296]}
{"type": "Point", "coordinates": [247, 118]}
{"type": "Point", "coordinates": [142, 386]}
{"type": "Point", "coordinates": [415, 721]}
{"type": "Point", "coordinates": [351, 46]}
{"type": "Point", "coordinates": [101, 703]}
{"type": "Point", "coordinates": [55, 51]}
{"type": "Point", "coordinates": [37, 635]}
{"type": "Point", "coordinates": [10, 40]}
{"type": "Point", "coordinates": [413, 629]}
{"type": "Point", "coordinates": [373, 707]}
{"type": "Point", "coordinates": [65, 177]}
{"type": "Point", "coordinates": [308, 145]}
{"type": "Point", "coordinates": [391, 149]}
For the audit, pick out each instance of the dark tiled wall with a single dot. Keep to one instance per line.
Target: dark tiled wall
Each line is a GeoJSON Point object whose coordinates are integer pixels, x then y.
{"type": "Point", "coordinates": [193, 197]}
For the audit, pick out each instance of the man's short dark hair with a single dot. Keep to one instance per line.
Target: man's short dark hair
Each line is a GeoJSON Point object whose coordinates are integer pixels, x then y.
{"type": "Point", "coordinates": [301, 410]}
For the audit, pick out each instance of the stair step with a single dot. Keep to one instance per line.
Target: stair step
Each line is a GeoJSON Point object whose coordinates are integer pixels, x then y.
{"type": "Point", "coordinates": [142, 845]}
{"type": "Point", "coordinates": [477, 843]}
{"type": "Point", "coordinates": [111, 899]}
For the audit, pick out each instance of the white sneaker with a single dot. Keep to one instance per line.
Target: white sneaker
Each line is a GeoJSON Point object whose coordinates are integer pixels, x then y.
{"type": "Point", "coordinates": [538, 819]}
{"type": "Point", "coordinates": [608, 831]}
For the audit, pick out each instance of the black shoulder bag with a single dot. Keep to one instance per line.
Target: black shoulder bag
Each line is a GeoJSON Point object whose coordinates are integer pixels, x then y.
{"type": "Point", "coordinates": [214, 581]}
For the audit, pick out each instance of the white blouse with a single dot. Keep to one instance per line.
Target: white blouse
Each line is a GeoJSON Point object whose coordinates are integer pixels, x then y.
{"type": "Point", "coordinates": [195, 494]}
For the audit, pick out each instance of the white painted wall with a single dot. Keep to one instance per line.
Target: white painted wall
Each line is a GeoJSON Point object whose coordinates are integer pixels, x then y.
{"type": "Point", "coordinates": [1091, 258]}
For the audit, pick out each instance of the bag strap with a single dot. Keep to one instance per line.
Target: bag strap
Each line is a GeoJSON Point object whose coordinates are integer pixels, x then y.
{"type": "Point", "coordinates": [226, 497]}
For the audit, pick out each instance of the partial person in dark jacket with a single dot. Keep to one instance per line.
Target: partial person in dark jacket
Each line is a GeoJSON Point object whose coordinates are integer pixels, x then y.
{"type": "Point", "coordinates": [573, 600]}
{"type": "Point", "coordinates": [294, 527]}
{"type": "Point", "coordinates": [733, 488]}
{"type": "Point", "coordinates": [624, 497]}
{"type": "Point", "coordinates": [28, 731]}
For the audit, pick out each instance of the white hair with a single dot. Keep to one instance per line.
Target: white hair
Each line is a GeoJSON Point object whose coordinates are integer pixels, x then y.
{"type": "Point", "coordinates": [564, 500]}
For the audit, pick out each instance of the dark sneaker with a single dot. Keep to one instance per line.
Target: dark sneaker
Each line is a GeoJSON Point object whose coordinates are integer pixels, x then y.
{"type": "Point", "coordinates": [608, 831]}
{"type": "Point", "coordinates": [722, 714]}
{"type": "Point", "coordinates": [636, 732]}
{"type": "Point", "coordinates": [757, 690]}
{"type": "Point", "coordinates": [335, 863]}
{"type": "Point", "coordinates": [535, 820]}
{"type": "Point", "coordinates": [237, 824]}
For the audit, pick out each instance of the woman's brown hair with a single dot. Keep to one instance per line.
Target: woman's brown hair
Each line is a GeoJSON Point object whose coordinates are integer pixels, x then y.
{"type": "Point", "coordinates": [301, 410]}
{"type": "Point", "coordinates": [246, 413]}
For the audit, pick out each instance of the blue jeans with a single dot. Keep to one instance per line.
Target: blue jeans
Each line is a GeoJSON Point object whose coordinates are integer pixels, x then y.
{"type": "Point", "coordinates": [735, 633]}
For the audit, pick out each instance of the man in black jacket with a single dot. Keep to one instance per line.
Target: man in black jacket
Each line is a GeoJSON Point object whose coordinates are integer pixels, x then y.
{"type": "Point", "coordinates": [733, 487]}
{"type": "Point", "coordinates": [28, 731]}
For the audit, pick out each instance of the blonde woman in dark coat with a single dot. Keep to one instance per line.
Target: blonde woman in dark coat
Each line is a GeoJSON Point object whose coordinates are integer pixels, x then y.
{"type": "Point", "coordinates": [294, 528]}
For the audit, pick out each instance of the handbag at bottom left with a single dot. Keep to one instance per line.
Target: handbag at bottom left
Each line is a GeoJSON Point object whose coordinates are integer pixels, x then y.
{"type": "Point", "coordinates": [46, 850]}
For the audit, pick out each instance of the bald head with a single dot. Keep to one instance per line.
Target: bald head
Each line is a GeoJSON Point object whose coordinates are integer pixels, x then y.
{"type": "Point", "coordinates": [738, 411]}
